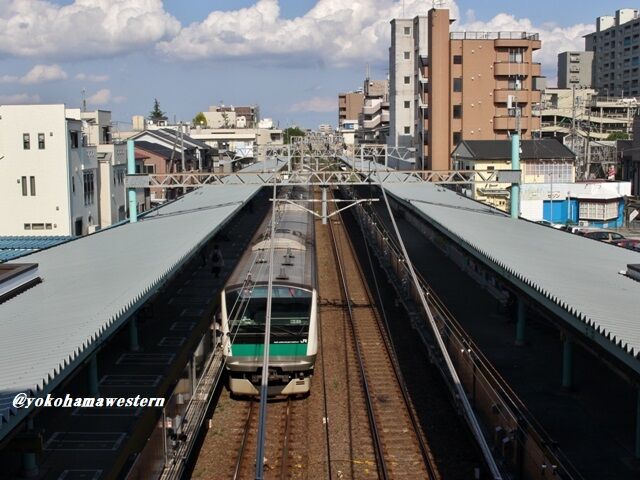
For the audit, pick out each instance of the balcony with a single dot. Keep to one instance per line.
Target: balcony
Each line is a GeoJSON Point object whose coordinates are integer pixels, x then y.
{"type": "Point", "coordinates": [509, 123]}
{"type": "Point", "coordinates": [521, 96]}
{"type": "Point", "coordinates": [521, 69]}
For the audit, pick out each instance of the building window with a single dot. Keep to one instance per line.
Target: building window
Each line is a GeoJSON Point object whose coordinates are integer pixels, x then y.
{"type": "Point", "coordinates": [407, 130]}
{"type": "Point", "coordinates": [457, 111]}
{"type": "Point", "coordinates": [598, 210]}
{"type": "Point", "coordinates": [27, 226]}
{"type": "Point", "coordinates": [514, 83]}
{"type": "Point", "coordinates": [26, 141]}
{"type": "Point", "coordinates": [120, 175]}
{"type": "Point", "coordinates": [32, 183]}
{"type": "Point", "coordinates": [457, 59]}
{"type": "Point", "coordinates": [41, 141]}
{"type": "Point", "coordinates": [407, 80]}
{"type": "Point", "coordinates": [407, 55]}
{"type": "Point", "coordinates": [149, 169]}
{"type": "Point", "coordinates": [457, 84]}
{"type": "Point", "coordinates": [516, 55]}
{"type": "Point", "coordinates": [548, 172]}
{"type": "Point", "coordinates": [88, 187]}
{"type": "Point", "coordinates": [407, 30]}
{"type": "Point", "coordinates": [407, 104]}
{"type": "Point", "coordinates": [457, 136]}
{"type": "Point", "coordinates": [37, 226]}
{"type": "Point", "coordinates": [24, 186]}
{"type": "Point", "coordinates": [74, 138]}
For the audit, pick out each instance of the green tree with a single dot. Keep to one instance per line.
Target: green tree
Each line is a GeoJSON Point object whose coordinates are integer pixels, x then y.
{"type": "Point", "coordinates": [200, 119]}
{"type": "Point", "coordinates": [156, 114]}
{"type": "Point", "coordinates": [292, 132]}
{"type": "Point", "coordinates": [618, 136]}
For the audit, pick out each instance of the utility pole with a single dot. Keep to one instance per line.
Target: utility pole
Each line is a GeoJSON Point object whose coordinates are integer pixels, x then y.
{"type": "Point", "coordinates": [588, 147]}
{"type": "Point", "coordinates": [184, 166]}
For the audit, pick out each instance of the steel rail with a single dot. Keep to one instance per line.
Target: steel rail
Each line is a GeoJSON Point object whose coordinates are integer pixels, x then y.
{"type": "Point", "coordinates": [243, 444]}
{"type": "Point", "coordinates": [377, 442]}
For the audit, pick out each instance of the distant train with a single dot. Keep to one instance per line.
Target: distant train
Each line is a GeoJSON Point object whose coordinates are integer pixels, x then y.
{"type": "Point", "coordinates": [294, 328]}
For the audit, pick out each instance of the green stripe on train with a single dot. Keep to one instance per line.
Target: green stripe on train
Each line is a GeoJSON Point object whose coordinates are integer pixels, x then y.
{"type": "Point", "coordinates": [275, 349]}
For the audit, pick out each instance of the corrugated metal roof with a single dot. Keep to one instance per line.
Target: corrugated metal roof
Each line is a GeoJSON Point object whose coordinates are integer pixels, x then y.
{"type": "Point", "coordinates": [91, 285]}
{"type": "Point", "coordinates": [17, 246]}
{"type": "Point", "coordinates": [579, 275]}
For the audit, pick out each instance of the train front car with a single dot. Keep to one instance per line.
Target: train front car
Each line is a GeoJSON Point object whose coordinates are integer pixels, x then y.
{"type": "Point", "coordinates": [293, 342]}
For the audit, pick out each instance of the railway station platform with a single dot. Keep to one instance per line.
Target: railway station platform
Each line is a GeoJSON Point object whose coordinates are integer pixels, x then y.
{"type": "Point", "coordinates": [121, 312]}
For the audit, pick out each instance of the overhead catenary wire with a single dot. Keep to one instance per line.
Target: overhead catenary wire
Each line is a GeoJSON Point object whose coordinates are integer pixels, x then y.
{"type": "Point", "coordinates": [467, 409]}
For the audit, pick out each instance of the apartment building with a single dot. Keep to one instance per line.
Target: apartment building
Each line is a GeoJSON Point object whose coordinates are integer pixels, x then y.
{"type": "Point", "coordinates": [593, 115]}
{"type": "Point", "coordinates": [405, 48]}
{"type": "Point", "coordinates": [473, 86]}
{"type": "Point", "coordinates": [575, 69]}
{"type": "Point", "coordinates": [349, 106]}
{"type": "Point", "coordinates": [616, 52]}
{"type": "Point", "coordinates": [374, 118]}
{"type": "Point", "coordinates": [48, 173]}
{"type": "Point", "coordinates": [112, 165]}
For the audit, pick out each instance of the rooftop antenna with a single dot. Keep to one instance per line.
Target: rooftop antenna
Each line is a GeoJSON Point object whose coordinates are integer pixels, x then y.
{"type": "Point", "coordinates": [84, 100]}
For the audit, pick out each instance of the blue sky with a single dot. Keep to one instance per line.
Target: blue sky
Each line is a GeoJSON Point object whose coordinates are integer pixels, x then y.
{"type": "Point", "coordinates": [291, 57]}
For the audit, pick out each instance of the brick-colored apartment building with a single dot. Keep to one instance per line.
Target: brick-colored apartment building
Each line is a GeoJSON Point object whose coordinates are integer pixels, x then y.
{"type": "Point", "coordinates": [463, 84]}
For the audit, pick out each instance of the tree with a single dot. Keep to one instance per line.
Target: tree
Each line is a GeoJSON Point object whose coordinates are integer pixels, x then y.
{"type": "Point", "coordinates": [156, 114]}
{"type": "Point", "coordinates": [292, 132]}
{"type": "Point", "coordinates": [200, 120]}
{"type": "Point", "coordinates": [618, 136]}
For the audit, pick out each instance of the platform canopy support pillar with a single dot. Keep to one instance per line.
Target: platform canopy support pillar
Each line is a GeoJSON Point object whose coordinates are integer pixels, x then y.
{"type": "Point", "coordinates": [567, 363]}
{"type": "Point", "coordinates": [520, 322]}
{"type": "Point", "coordinates": [637, 452]}
{"type": "Point", "coordinates": [92, 373]}
{"type": "Point", "coordinates": [134, 346]}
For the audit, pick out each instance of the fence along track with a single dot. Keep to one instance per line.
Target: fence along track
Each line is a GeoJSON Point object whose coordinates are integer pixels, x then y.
{"type": "Point", "coordinates": [399, 445]}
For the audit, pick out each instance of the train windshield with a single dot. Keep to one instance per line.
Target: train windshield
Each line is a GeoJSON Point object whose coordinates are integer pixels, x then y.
{"type": "Point", "coordinates": [290, 313]}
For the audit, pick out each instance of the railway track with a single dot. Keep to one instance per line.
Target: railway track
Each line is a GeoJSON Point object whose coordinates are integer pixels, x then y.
{"type": "Point", "coordinates": [397, 441]}
{"type": "Point", "coordinates": [282, 419]}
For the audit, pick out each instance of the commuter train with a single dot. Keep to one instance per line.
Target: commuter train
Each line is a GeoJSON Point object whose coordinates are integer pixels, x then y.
{"type": "Point", "coordinates": [294, 332]}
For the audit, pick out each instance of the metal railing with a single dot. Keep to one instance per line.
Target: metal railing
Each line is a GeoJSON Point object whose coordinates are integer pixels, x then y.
{"type": "Point", "coordinates": [519, 441]}
{"type": "Point", "coordinates": [494, 36]}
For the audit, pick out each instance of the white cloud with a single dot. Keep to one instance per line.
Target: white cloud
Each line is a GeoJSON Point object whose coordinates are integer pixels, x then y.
{"type": "Point", "coordinates": [337, 33]}
{"type": "Point", "coordinates": [104, 96]}
{"type": "Point", "coordinates": [333, 32]}
{"type": "Point", "coordinates": [89, 77]}
{"type": "Point", "coordinates": [38, 74]}
{"type": "Point", "coordinates": [83, 29]}
{"type": "Point", "coordinates": [316, 104]}
{"type": "Point", "coordinates": [43, 73]}
{"type": "Point", "coordinates": [18, 98]}
{"type": "Point", "coordinates": [555, 39]}
{"type": "Point", "coordinates": [9, 79]}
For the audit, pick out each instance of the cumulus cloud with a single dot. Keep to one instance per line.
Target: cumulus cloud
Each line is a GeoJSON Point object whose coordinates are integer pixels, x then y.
{"type": "Point", "coordinates": [316, 104]}
{"type": "Point", "coordinates": [333, 32]}
{"type": "Point", "coordinates": [38, 74]}
{"type": "Point", "coordinates": [104, 96]}
{"type": "Point", "coordinates": [90, 77]}
{"type": "Point", "coordinates": [337, 33]}
{"type": "Point", "coordinates": [555, 39]}
{"type": "Point", "coordinates": [83, 29]}
{"type": "Point", "coordinates": [44, 73]}
{"type": "Point", "coordinates": [19, 98]}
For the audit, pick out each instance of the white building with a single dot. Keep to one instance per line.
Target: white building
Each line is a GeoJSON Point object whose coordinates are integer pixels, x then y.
{"type": "Point", "coordinates": [112, 164]}
{"type": "Point", "coordinates": [403, 68]}
{"type": "Point", "coordinates": [48, 174]}
{"type": "Point", "coordinates": [242, 142]}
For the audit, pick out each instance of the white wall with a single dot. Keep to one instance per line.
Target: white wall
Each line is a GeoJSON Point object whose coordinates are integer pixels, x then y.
{"type": "Point", "coordinates": [54, 204]}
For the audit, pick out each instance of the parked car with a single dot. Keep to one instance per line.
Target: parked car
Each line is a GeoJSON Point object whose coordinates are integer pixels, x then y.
{"type": "Point", "coordinates": [547, 223]}
{"type": "Point", "coordinates": [572, 229]}
{"type": "Point", "coordinates": [630, 243]}
{"type": "Point", "coordinates": [603, 235]}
